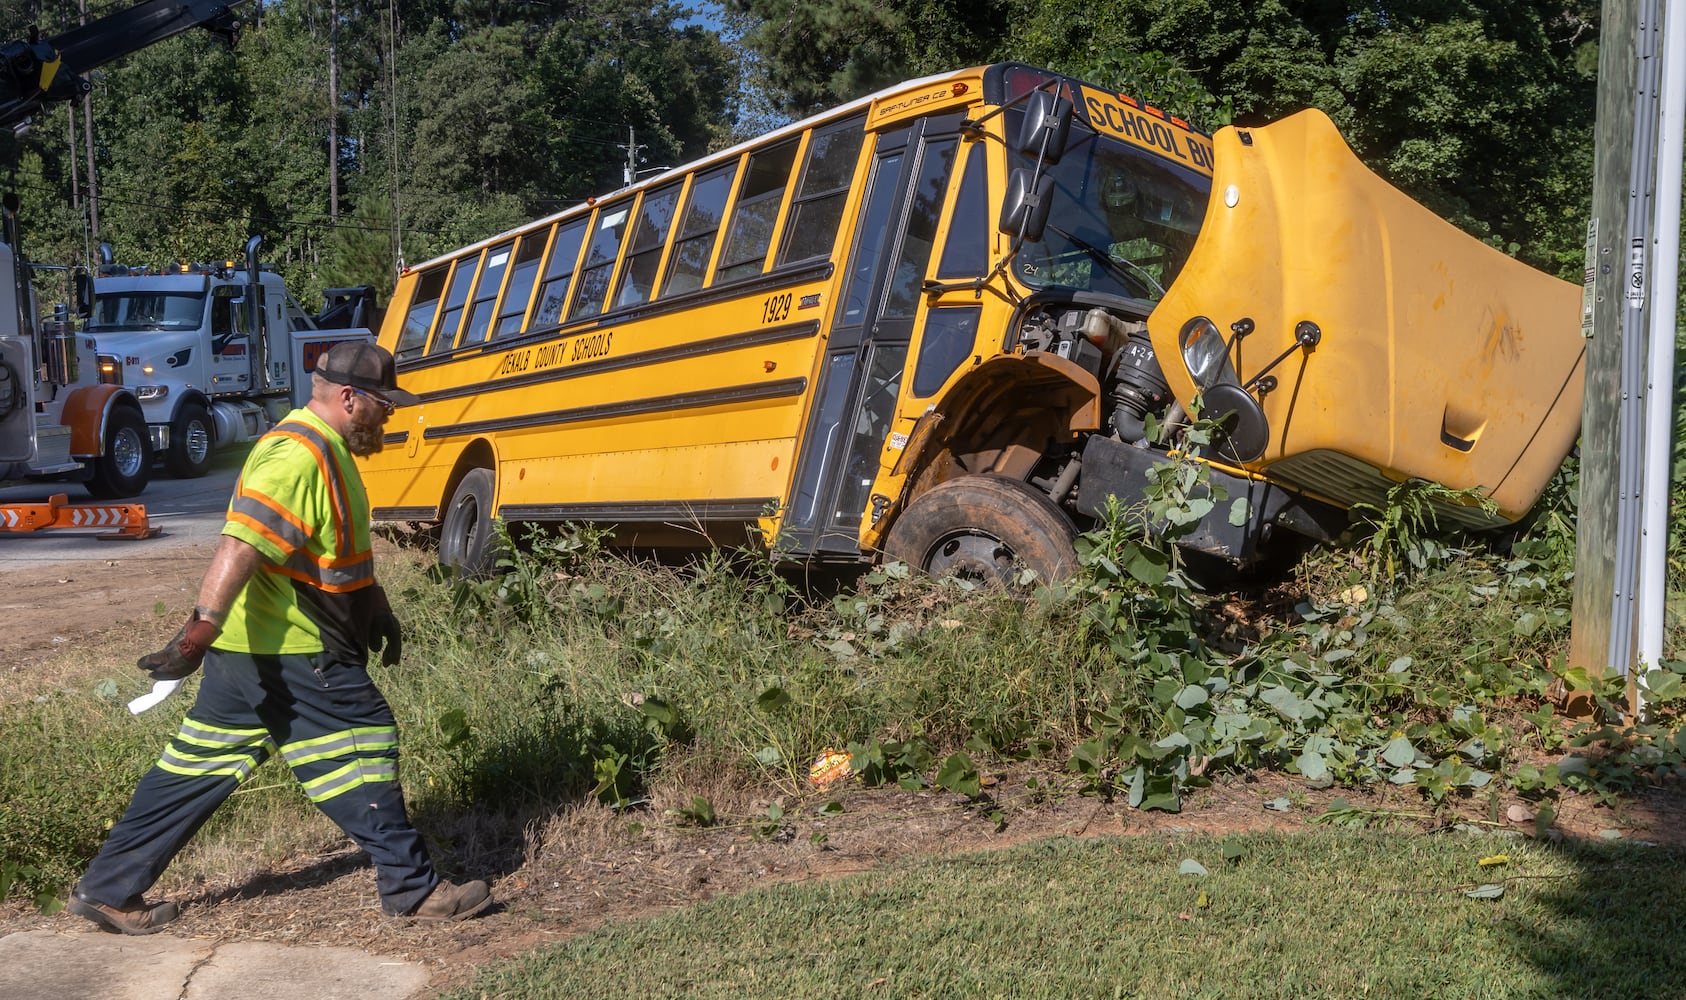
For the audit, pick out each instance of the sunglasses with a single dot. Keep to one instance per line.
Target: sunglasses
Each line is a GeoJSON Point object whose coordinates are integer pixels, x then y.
{"type": "Point", "coordinates": [386, 404]}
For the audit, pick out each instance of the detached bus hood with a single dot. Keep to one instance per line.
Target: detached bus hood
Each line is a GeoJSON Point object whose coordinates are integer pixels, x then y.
{"type": "Point", "coordinates": [1440, 358]}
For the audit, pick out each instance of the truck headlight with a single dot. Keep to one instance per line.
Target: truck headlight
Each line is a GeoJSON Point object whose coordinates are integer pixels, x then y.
{"type": "Point", "coordinates": [145, 393]}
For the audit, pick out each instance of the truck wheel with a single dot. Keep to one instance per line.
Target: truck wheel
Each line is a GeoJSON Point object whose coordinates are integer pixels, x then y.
{"type": "Point", "coordinates": [189, 456]}
{"type": "Point", "coordinates": [467, 540]}
{"type": "Point", "coordinates": [984, 528]}
{"type": "Point", "coordinates": [122, 471]}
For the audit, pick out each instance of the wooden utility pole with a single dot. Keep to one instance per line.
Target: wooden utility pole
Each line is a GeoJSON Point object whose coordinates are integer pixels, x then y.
{"type": "Point", "coordinates": [1607, 529]}
{"type": "Point", "coordinates": [88, 136]}
{"type": "Point", "coordinates": [333, 111]}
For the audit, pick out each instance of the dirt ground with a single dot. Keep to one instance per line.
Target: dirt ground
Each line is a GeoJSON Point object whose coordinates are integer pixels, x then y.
{"type": "Point", "coordinates": [564, 874]}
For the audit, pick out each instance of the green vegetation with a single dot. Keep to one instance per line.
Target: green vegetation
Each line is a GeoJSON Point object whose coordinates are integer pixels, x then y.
{"type": "Point", "coordinates": [1260, 915]}
{"type": "Point", "coordinates": [1410, 657]}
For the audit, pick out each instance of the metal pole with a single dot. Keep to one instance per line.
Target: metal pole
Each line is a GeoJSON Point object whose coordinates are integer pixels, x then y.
{"type": "Point", "coordinates": [1659, 403]}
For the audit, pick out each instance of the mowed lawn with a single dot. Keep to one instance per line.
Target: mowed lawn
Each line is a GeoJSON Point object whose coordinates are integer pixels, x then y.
{"type": "Point", "coordinates": [1327, 913]}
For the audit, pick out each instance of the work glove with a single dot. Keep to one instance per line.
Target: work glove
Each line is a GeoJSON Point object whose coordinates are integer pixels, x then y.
{"type": "Point", "coordinates": [385, 634]}
{"type": "Point", "coordinates": [183, 654]}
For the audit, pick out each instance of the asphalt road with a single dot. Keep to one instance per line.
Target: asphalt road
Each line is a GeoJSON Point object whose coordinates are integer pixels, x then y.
{"type": "Point", "coordinates": [188, 511]}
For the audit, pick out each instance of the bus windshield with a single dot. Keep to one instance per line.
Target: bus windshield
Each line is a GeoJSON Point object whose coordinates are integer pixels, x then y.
{"type": "Point", "coordinates": [147, 311]}
{"type": "Point", "coordinates": [1122, 221]}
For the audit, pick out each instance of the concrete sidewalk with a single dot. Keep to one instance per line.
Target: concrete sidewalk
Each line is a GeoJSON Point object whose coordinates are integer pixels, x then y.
{"type": "Point", "coordinates": [55, 965]}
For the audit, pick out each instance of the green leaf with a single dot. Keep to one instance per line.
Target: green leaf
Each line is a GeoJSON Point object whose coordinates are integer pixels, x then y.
{"type": "Point", "coordinates": [454, 727]}
{"type": "Point", "coordinates": [106, 689]}
{"type": "Point", "coordinates": [1312, 765]}
{"type": "Point", "coordinates": [1399, 752]}
{"type": "Point", "coordinates": [1190, 866]}
{"type": "Point", "coordinates": [1190, 696]}
{"type": "Point", "coordinates": [958, 774]}
{"type": "Point", "coordinates": [1488, 891]}
{"type": "Point", "coordinates": [769, 757]}
{"type": "Point", "coordinates": [832, 808]}
{"type": "Point", "coordinates": [1238, 513]}
{"type": "Point", "coordinates": [772, 698]}
{"type": "Point", "coordinates": [1147, 565]}
{"type": "Point", "coordinates": [1400, 665]}
{"type": "Point", "coordinates": [1279, 804]}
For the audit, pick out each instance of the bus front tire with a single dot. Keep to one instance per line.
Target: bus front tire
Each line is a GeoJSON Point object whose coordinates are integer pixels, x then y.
{"type": "Point", "coordinates": [122, 470]}
{"type": "Point", "coordinates": [467, 540]}
{"type": "Point", "coordinates": [984, 528]}
{"type": "Point", "coordinates": [189, 456]}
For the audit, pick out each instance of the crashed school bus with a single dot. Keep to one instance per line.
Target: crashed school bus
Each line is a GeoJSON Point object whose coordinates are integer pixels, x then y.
{"type": "Point", "coordinates": [933, 323]}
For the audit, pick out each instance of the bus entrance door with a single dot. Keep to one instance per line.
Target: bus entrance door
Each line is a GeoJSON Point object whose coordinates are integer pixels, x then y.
{"type": "Point", "coordinates": [866, 352]}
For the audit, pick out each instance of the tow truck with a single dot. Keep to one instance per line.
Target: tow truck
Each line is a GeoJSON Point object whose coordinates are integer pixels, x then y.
{"type": "Point", "coordinates": [57, 420]}
{"type": "Point", "coordinates": [215, 353]}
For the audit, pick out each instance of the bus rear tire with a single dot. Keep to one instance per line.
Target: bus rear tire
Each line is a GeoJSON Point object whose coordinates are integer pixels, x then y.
{"type": "Point", "coordinates": [123, 469]}
{"type": "Point", "coordinates": [467, 540]}
{"type": "Point", "coordinates": [191, 446]}
{"type": "Point", "coordinates": [985, 528]}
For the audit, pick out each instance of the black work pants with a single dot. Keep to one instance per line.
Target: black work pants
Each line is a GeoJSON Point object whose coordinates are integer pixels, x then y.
{"type": "Point", "coordinates": [335, 731]}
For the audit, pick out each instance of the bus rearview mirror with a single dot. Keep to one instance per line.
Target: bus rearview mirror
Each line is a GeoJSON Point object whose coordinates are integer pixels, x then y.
{"type": "Point", "coordinates": [1024, 210]}
{"type": "Point", "coordinates": [1047, 120]}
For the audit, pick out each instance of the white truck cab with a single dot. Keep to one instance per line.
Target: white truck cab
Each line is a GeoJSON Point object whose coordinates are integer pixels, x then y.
{"type": "Point", "coordinates": [214, 353]}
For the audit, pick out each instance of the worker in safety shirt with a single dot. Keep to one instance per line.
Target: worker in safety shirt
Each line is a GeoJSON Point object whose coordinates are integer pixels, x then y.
{"type": "Point", "coordinates": [287, 615]}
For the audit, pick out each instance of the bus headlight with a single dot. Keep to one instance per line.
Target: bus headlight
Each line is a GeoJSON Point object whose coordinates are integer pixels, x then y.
{"type": "Point", "coordinates": [1204, 352]}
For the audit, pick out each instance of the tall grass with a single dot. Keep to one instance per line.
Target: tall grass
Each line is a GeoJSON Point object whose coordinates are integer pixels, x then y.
{"type": "Point", "coordinates": [580, 675]}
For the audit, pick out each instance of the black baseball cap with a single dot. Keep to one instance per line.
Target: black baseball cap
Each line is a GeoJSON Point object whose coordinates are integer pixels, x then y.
{"type": "Point", "coordinates": [363, 365]}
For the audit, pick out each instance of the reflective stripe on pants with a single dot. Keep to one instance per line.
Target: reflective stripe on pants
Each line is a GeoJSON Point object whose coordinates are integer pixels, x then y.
{"type": "Point", "coordinates": [334, 729]}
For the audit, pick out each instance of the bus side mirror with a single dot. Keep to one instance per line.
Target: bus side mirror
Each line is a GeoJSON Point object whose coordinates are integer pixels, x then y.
{"type": "Point", "coordinates": [1024, 211]}
{"type": "Point", "coordinates": [1047, 120]}
{"type": "Point", "coordinates": [83, 288]}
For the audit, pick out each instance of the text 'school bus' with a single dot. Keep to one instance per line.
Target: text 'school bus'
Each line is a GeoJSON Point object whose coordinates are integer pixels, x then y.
{"type": "Point", "coordinates": [933, 323]}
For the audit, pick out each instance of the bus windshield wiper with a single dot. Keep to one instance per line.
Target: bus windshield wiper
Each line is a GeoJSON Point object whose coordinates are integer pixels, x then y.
{"type": "Point", "coordinates": [1127, 271]}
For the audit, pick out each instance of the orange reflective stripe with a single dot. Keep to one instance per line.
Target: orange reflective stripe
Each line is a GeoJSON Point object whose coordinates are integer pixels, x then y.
{"type": "Point", "coordinates": [307, 436]}
{"type": "Point", "coordinates": [270, 518]}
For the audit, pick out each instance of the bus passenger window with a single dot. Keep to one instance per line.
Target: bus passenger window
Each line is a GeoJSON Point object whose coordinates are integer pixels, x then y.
{"type": "Point", "coordinates": [818, 208]}
{"type": "Point", "coordinates": [593, 287]}
{"type": "Point", "coordinates": [564, 254]}
{"type": "Point", "coordinates": [655, 215]}
{"type": "Point", "coordinates": [461, 279]}
{"type": "Point", "coordinates": [751, 232]}
{"type": "Point", "coordinates": [486, 295]}
{"type": "Point", "coordinates": [423, 306]}
{"type": "Point", "coordinates": [685, 269]}
{"type": "Point", "coordinates": [950, 335]}
{"type": "Point", "coordinates": [929, 186]}
{"type": "Point", "coordinates": [966, 251]}
{"type": "Point", "coordinates": [520, 293]}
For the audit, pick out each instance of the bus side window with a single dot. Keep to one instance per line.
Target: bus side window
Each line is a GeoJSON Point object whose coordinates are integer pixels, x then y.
{"type": "Point", "coordinates": [520, 293]}
{"type": "Point", "coordinates": [695, 243]}
{"type": "Point", "coordinates": [462, 279]}
{"type": "Point", "coordinates": [929, 185]}
{"type": "Point", "coordinates": [644, 256]}
{"type": "Point", "coordinates": [486, 294]}
{"type": "Point", "coordinates": [592, 289]}
{"type": "Point", "coordinates": [966, 250]}
{"type": "Point", "coordinates": [751, 231]}
{"type": "Point", "coordinates": [817, 209]}
{"type": "Point", "coordinates": [564, 255]}
{"type": "Point", "coordinates": [423, 305]}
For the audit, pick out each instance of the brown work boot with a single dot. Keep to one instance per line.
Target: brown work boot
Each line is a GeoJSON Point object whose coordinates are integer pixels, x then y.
{"type": "Point", "coordinates": [142, 918]}
{"type": "Point", "coordinates": [450, 901]}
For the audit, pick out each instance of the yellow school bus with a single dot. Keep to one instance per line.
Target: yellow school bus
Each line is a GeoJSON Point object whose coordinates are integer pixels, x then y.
{"type": "Point", "coordinates": [938, 322]}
